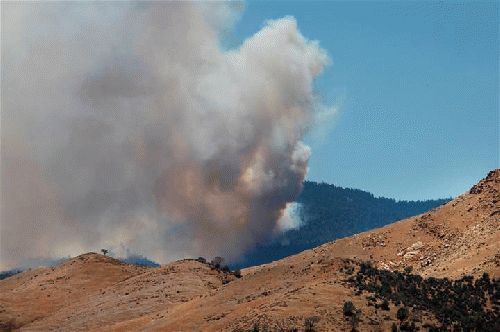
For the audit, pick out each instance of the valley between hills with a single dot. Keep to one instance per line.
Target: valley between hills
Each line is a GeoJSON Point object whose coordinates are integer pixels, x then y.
{"type": "Point", "coordinates": [437, 271]}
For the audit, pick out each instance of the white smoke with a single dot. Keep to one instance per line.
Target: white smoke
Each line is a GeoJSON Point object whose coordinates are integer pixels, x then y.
{"type": "Point", "coordinates": [127, 125]}
{"type": "Point", "coordinates": [291, 218]}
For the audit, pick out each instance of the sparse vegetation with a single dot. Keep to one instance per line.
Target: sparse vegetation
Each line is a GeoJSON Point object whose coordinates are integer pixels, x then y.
{"type": "Point", "coordinates": [218, 264]}
{"type": "Point", "coordinates": [461, 305]}
{"type": "Point", "coordinates": [104, 251]}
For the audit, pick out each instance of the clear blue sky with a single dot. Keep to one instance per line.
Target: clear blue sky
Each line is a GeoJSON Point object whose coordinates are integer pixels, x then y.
{"type": "Point", "coordinates": [417, 86]}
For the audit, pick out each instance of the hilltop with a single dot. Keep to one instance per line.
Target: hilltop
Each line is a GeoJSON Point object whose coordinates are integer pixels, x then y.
{"type": "Point", "coordinates": [93, 290]}
{"type": "Point", "coordinates": [309, 290]}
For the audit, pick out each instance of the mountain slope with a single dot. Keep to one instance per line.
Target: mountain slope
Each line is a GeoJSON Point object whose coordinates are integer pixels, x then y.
{"type": "Point", "coordinates": [330, 212]}
{"type": "Point", "coordinates": [38, 293]}
{"type": "Point", "coordinates": [459, 238]}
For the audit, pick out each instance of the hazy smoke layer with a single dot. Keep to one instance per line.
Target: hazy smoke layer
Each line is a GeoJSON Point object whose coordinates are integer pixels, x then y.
{"type": "Point", "coordinates": [127, 125]}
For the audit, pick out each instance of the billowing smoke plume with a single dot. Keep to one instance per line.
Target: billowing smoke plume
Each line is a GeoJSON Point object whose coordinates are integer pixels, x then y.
{"type": "Point", "coordinates": [128, 125]}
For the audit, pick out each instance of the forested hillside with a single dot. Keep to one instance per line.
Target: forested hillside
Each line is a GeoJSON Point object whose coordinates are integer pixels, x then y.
{"type": "Point", "coordinates": [330, 212]}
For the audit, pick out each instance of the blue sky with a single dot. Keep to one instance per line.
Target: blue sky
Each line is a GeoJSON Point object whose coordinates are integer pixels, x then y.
{"type": "Point", "coordinates": [417, 88]}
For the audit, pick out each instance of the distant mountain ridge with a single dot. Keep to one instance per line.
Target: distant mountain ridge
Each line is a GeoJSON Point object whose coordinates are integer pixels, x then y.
{"type": "Point", "coordinates": [331, 212]}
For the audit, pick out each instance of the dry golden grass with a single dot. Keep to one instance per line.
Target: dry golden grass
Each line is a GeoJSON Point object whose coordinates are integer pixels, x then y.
{"type": "Point", "coordinates": [96, 293]}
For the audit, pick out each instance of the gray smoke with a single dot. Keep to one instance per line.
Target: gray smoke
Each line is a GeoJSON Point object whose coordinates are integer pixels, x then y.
{"type": "Point", "coordinates": [127, 125]}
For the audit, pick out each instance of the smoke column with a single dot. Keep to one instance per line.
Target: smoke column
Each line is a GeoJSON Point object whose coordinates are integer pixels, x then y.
{"type": "Point", "coordinates": [127, 125]}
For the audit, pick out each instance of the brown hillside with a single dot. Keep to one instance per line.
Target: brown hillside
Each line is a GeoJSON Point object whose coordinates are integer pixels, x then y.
{"type": "Point", "coordinates": [458, 238]}
{"type": "Point", "coordinates": [92, 290]}
{"type": "Point", "coordinates": [97, 293]}
{"type": "Point", "coordinates": [41, 292]}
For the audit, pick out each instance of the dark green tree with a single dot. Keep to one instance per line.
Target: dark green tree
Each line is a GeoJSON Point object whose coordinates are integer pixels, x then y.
{"type": "Point", "coordinates": [385, 305]}
{"type": "Point", "coordinates": [349, 309]}
{"type": "Point", "coordinates": [217, 262]}
{"type": "Point", "coordinates": [402, 313]}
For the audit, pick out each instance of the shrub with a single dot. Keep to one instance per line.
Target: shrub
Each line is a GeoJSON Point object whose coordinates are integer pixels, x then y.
{"type": "Point", "coordinates": [8, 326]}
{"type": "Point", "coordinates": [385, 305]}
{"type": "Point", "coordinates": [217, 262]}
{"type": "Point", "coordinates": [365, 267]}
{"type": "Point", "coordinates": [402, 313]}
{"type": "Point", "coordinates": [355, 319]}
{"type": "Point", "coordinates": [408, 327]}
{"type": "Point", "coordinates": [349, 308]}
{"type": "Point", "coordinates": [309, 323]}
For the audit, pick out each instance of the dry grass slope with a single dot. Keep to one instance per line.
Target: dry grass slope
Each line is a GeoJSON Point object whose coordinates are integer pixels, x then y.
{"type": "Point", "coordinates": [92, 292]}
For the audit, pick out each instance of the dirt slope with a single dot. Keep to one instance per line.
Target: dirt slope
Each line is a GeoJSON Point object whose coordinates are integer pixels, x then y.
{"type": "Point", "coordinates": [92, 290]}
{"type": "Point", "coordinates": [461, 237]}
{"type": "Point", "coordinates": [96, 293]}
{"type": "Point", "coordinates": [41, 292]}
